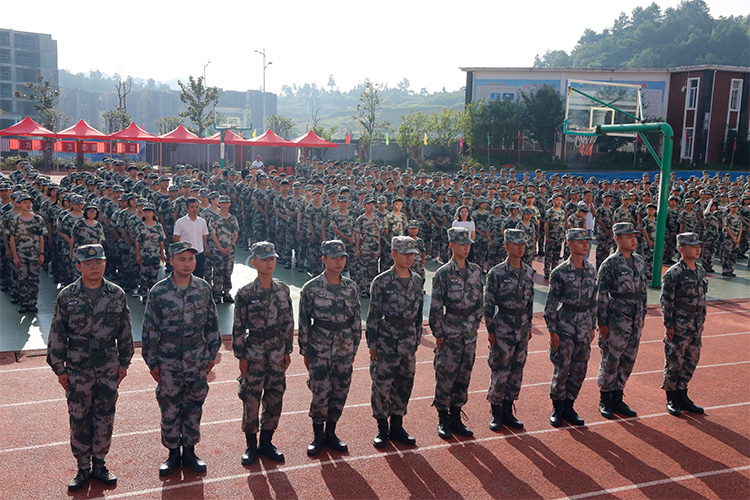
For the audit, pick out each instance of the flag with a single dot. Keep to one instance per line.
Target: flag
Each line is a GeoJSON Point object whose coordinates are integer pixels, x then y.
{"type": "Point", "coordinates": [489, 142]}
{"type": "Point", "coordinates": [734, 147]}
{"type": "Point", "coordinates": [425, 139]}
{"type": "Point", "coordinates": [387, 142]}
{"type": "Point", "coordinates": [461, 143]}
{"type": "Point", "coordinates": [519, 139]}
{"type": "Point", "coordinates": [254, 132]}
{"type": "Point", "coordinates": [348, 137]}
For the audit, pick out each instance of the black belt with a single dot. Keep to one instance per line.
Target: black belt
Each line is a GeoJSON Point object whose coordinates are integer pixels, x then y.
{"type": "Point", "coordinates": [574, 308]}
{"type": "Point", "coordinates": [510, 311]}
{"type": "Point", "coordinates": [91, 344]}
{"type": "Point", "coordinates": [331, 325]}
{"type": "Point", "coordinates": [455, 311]}
{"type": "Point", "coordinates": [399, 321]}
{"type": "Point", "coordinates": [181, 341]}
{"type": "Point", "coordinates": [626, 295]}
{"type": "Point", "coordinates": [265, 334]}
{"type": "Point", "coordinates": [688, 307]}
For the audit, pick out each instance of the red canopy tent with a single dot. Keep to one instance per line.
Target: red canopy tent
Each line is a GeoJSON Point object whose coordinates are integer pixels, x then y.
{"type": "Point", "coordinates": [181, 135]}
{"type": "Point", "coordinates": [312, 140]}
{"type": "Point", "coordinates": [268, 138]}
{"type": "Point", "coordinates": [82, 130]}
{"type": "Point", "coordinates": [29, 128]}
{"type": "Point", "coordinates": [134, 133]}
{"type": "Point", "coordinates": [229, 138]}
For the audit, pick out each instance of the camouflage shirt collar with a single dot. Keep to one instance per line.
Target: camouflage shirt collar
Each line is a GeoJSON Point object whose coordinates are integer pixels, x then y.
{"type": "Point", "coordinates": [78, 286]}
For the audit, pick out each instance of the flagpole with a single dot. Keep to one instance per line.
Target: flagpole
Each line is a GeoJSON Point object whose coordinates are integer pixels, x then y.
{"type": "Point", "coordinates": [734, 148]}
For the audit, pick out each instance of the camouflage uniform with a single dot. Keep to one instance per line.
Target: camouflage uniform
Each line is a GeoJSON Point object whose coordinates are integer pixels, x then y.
{"type": "Point", "coordinates": [225, 229]}
{"type": "Point", "coordinates": [417, 265]}
{"type": "Point", "coordinates": [365, 267]}
{"type": "Point", "coordinates": [481, 245]}
{"type": "Point", "coordinates": [262, 335]}
{"type": "Point", "coordinates": [673, 227]}
{"type": "Point", "coordinates": [710, 237]}
{"type": "Point", "coordinates": [397, 226]}
{"type": "Point", "coordinates": [259, 220]}
{"type": "Point", "coordinates": [150, 239]}
{"type": "Point", "coordinates": [180, 337]}
{"type": "Point", "coordinates": [89, 342]}
{"type": "Point", "coordinates": [283, 237]}
{"type": "Point", "coordinates": [649, 225]}
{"type": "Point", "coordinates": [729, 249]}
{"type": "Point", "coordinates": [329, 334]}
{"type": "Point", "coordinates": [496, 252]}
{"type": "Point", "coordinates": [394, 331]}
{"type": "Point", "coordinates": [26, 234]}
{"type": "Point", "coordinates": [604, 219]}
{"type": "Point", "coordinates": [316, 217]}
{"type": "Point", "coordinates": [508, 309]}
{"type": "Point", "coordinates": [555, 219]}
{"type": "Point", "coordinates": [621, 306]}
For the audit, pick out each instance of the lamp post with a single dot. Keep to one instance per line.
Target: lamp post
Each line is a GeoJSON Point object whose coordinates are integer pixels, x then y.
{"type": "Point", "coordinates": [265, 65]}
{"type": "Point", "coordinates": [204, 72]}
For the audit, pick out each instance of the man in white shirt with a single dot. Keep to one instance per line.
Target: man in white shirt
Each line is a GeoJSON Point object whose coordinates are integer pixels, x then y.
{"type": "Point", "coordinates": [258, 163]}
{"type": "Point", "coordinates": [193, 229]}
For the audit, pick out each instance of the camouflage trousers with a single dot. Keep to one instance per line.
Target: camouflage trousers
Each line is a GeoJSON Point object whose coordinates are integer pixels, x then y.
{"type": "Point", "coordinates": [5, 265]}
{"type": "Point", "coordinates": [364, 270]}
{"type": "Point", "coordinates": [670, 245]}
{"type": "Point", "coordinates": [453, 364]}
{"type": "Point", "coordinates": [129, 271]}
{"type": "Point", "coordinates": [648, 256]}
{"type": "Point", "coordinates": [479, 249]}
{"type": "Point", "coordinates": [92, 395]}
{"type": "Point", "coordinates": [603, 249]}
{"type": "Point", "coordinates": [540, 241]}
{"type": "Point", "coordinates": [708, 251]}
{"type": "Point", "coordinates": [149, 272]}
{"type": "Point", "coordinates": [329, 380]}
{"type": "Point", "coordinates": [67, 266]}
{"type": "Point", "coordinates": [744, 240]}
{"type": "Point", "coordinates": [180, 396]}
{"type": "Point", "coordinates": [570, 362]}
{"type": "Point", "coordinates": [27, 284]}
{"type": "Point", "coordinates": [729, 251]}
{"type": "Point", "coordinates": [425, 232]}
{"type": "Point", "coordinates": [618, 357]}
{"type": "Point", "coordinates": [386, 261]}
{"type": "Point", "coordinates": [110, 271]}
{"type": "Point", "coordinates": [264, 382]}
{"type": "Point", "coordinates": [314, 264]}
{"type": "Point", "coordinates": [223, 265]}
{"type": "Point", "coordinates": [506, 360]}
{"type": "Point", "coordinates": [496, 254]}
{"type": "Point", "coordinates": [681, 356]}
{"type": "Point", "coordinates": [208, 268]}
{"type": "Point", "coordinates": [301, 245]}
{"type": "Point", "coordinates": [258, 228]}
{"type": "Point", "coordinates": [392, 383]}
{"type": "Point", "coordinates": [281, 242]}
{"type": "Point", "coordinates": [445, 251]}
{"type": "Point", "coordinates": [552, 254]}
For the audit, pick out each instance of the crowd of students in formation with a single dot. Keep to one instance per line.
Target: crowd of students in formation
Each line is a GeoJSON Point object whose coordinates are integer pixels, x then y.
{"type": "Point", "coordinates": [114, 227]}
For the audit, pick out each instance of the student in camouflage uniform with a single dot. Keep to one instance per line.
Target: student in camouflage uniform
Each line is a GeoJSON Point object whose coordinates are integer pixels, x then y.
{"type": "Point", "coordinates": [419, 261]}
{"type": "Point", "coordinates": [367, 248]}
{"type": "Point", "coordinates": [282, 205]}
{"type": "Point", "coordinates": [570, 314]}
{"type": "Point", "coordinates": [481, 216]}
{"type": "Point", "coordinates": [711, 232]}
{"type": "Point", "coordinates": [26, 241]}
{"type": "Point", "coordinates": [394, 331]}
{"type": "Point", "coordinates": [149, 250]}
{"type": "Point", "coordinates": [554, 234]}
{"type": "Point", "coordinates": [315, 214]}
{"type": "Point", "coordinates": [330, 330]}
{"type": "Point", "coordinates": [261, 209]}
{"type": "Point", "coordinates": [731, 243]}
{"type": "Point", "coordinates": [529, 228]}
{"type": "Point", "coordinates": [395, 224]}
{"type": "Point", "coordinates": [604, 221]}
{"type": "Point", "coordinates": [621, 309]}
{"type": "Point", "coordinates": [87, 230]}
{"type": "Point", "coordinates": [180, 341]}
{"type": "Point", "coordinates": [89, 349]}
{"type": "Point", "coordinates": [496, 251]}
{"type": "Point", "coordinates": [683, 310]}
{"type": "Point", "coordinates": [508, 309]}
{"type": "Point", "coordinates": [455, 314]}
{"type": "Point", "coordinates": [223, 231]}
{"type": "Point", "coordinates": [673, 227]}
{"type": "Point", "coordinates": [648, 231]}
{"type": "Point", "coordinates": [262, 338]}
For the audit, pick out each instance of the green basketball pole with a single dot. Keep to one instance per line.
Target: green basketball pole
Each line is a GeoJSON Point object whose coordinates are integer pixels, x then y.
{"type": "Point", "coordinates": [665, 166]}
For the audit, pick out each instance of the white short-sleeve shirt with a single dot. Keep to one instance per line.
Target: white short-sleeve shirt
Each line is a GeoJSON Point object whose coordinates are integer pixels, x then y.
{"type": "Point", "coordinates": [191, 230]}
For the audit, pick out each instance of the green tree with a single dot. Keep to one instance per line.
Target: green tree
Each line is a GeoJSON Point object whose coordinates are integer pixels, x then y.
{"type": "Point", "coordinates": [167, 124]}
{"type": "Point", "coordinates": [280, 124]}
{"type": "Point", "coordinates": [444, 126]}
{"type": "Point", "coordinates": [200, 102]}
{"type": "Point", "coordinates": [325, 133]}
{"type": "Point", "coordinates": [410, 136]}
{"type": "Point", "coordinates": [46, 98]}
{"type": "Point", "coordinates": [543, 113]}
{"type": "Point", "coordinates": [369, 113]}
{"type": "Point", "coordinates": [116, 120]}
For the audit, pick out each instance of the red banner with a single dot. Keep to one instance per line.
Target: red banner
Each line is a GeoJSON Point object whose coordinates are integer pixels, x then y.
{"type": "Point", "coordinates": [93, 147]}
{"type": "Point", "coordinates": [25, 144]}
{"type": "Point", "coordinates": [65, 146]}
{"type": "Point", "coordinates": [128, 148]}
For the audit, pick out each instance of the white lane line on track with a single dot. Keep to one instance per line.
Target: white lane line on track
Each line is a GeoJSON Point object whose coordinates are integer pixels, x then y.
{"type": "Point", "coordinates": [218, 382]}
{"type": "Point", "coordinates": [688, 477]}
{"type": "Point", "coordinates": [348, 406]}
{"type": "Point", "coordinates": [293, 468]}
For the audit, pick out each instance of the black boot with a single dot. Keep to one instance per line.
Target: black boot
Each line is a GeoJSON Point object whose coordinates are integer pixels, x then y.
{"type": "Point", "coordinates": [248, 458]}
{"type": "Point", "coordinates": [318, 440]}
{"type": "Point", "coordinates": [570, 415]}
{"type": "Point", "coordinates": [497, 418]}
{"type": "Point", "coordinates": [673, 404]}
{"type": "Point", "coordinates": [332, 440]}
{"type": "Point", "coordinates": [605, 405]}
{"type": "Point", "coordinates": [267, 449]}
{"type": "Point", "coordinates": [102, 474]}
{"type": "Point", "coordinates": [508, 418]}
{"type": "Point", "coordinates": [398, 433]}
{"type": "Point", "coordinates": [191, 460]}
{"type": "Point", "coordinates": [557, 410]}
{"type": "Point", "coordinates": [457, 426]}
{"type": "Point", "coordinates": [620, 407]}
{"type": "Point", "coordinates": [686, 404]}
{"type": "Point", "coordinates": [444, 424]}
{"type": "Point", "coordinates": [171, 463]}
{"type": "Point", "coordinates": [78, 482]}
{"type": "Point", "coordinates": [381, 438]}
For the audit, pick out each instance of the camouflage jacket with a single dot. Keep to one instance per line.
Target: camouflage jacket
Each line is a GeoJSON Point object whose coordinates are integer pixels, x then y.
{"type": "Point", "coordinates": [27, 235]}
{"type": "Point", "coordinates": [320, 301]}
{"type": "Point", "coordinates": [83, 234]}
{"type": "Point", "coordinates": [556, 221]}
{"type": "Point", "coordinates": [689, 221]}
{"type": "Point", "coordinates": [576, 288]}
{"type": "Point", "coordinates": [172, 313]}
{"type": "Point", "coordinates": [617, 277]}
{"type": "Point", "coordinates": [396, 225]}
{"type": "Point", "coordinates": [509, 300]}
{"type": "Point", "coordinates": [225, 229]}
{"type": "Point", "coordinates": [392, 302]}
{"type": "Point", "coordinates": [344, 222]}
{"type": "Point", "coordinates": [456, 304]}
{"type": "Point", "coordinates": [369, 234]}
{"type": "Point", "coordinates": [262, 314]}
{"type": "Point", "coordinates": [683, 297]}
{"type": "Point", "coordinates": [75, 319]}
{"type": "Point", "coordinates": [149, 239]}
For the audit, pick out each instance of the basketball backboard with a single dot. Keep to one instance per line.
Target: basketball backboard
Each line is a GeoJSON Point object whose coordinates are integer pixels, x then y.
{"type": "Point", "coordinates": [590, 104]}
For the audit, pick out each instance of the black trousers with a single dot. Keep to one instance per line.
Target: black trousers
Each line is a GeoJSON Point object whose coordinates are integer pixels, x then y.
{"type": "Point", "coordinates": [200, 264]}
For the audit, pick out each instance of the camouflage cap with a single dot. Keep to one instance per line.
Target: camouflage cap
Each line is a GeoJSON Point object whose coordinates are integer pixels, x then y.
{"type": "Point", "coordinates": [333, 248]}
{"type": "Point", "coordinates": [582, 206]}
{"type": "Point", "coordinates": [460, 235]}
{"type": "Point", "coordinates": [527, 210]}
{"type": "Point", "coordinates": [368, 199]}
{"type": "Point", "coordinates": [181, 246]}
{"type": "Point", "coordinates": [382, 199]}
{"type": "Point", "coordinates": [578, 234]}
{"type": "Point", "coordinates": [413, 223]}
{"type": "Point", "coordinates": [224, 199]}
{"type": "Point", "coordinates": [403, 244]}
{"type": "Point", "coordinates": [149, 206]}
{"type": "Point", "coordinates": [624, 228]}
{"type": "Point", "coordinates": [514, 236]}
{"type": "Point", "coordinates": [263, 250]}
{"type": "Point", "coordinates": [76, 199]}
{"type": "Point", "coordinates": [90, 252]}
{"type": "Point", "coordinates": [22, 196]}
{"type": "Point", "coordinates": [688, 239]}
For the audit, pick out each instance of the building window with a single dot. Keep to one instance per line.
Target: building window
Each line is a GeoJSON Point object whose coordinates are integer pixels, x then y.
{"type": "Point", "coordinates": [5, 56]}
{"type": "Point", "coordinates": [734, 94]}
{"type": "Point", "coordinates": [4, 39]}
{"type": "Point", "coordinates": [4, 72]}
{"type": "Point", "coordinates": [6, 90]}
{"type": "Point", "coordinates": [691, 95]}
{"type": "Point", "coordinates": [687, 144]}
{"type": "Point", "coordinates": [26, 58]}
{"type": "Point", "coordinates": [28, 42]}
{"type": "Point", "coordinates": [6, 105]}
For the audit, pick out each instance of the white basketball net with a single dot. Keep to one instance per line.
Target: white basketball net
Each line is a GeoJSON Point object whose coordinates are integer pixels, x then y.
{"type": "Point", "coordinates": [585, 144]}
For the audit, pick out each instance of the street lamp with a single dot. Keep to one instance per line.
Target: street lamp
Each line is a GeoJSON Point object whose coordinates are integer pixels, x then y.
{"type": "Point", "coordinates": [265, 65]}
{"type": "Point", "coordinates": [204, 72]}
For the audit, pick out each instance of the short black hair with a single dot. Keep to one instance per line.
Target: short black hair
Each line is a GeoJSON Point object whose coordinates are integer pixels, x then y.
{"type": "Point", "coordinates": [191, 200]}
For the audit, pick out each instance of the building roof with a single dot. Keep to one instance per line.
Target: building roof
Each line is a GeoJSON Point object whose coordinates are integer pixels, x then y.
{"type": "Point", "coordinates": [680, 69]}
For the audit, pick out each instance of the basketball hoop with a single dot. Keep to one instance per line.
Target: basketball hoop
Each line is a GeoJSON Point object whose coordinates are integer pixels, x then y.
{"type": "Point", "coordinates": [585, 144]}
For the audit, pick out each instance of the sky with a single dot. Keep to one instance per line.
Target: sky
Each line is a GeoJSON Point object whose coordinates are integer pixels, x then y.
{"type": "Point", "coordinates": [307, 41]}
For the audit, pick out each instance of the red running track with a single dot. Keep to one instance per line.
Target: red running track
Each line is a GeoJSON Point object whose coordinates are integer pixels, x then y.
{"type": "Point", "coordinates": [652, 456]}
